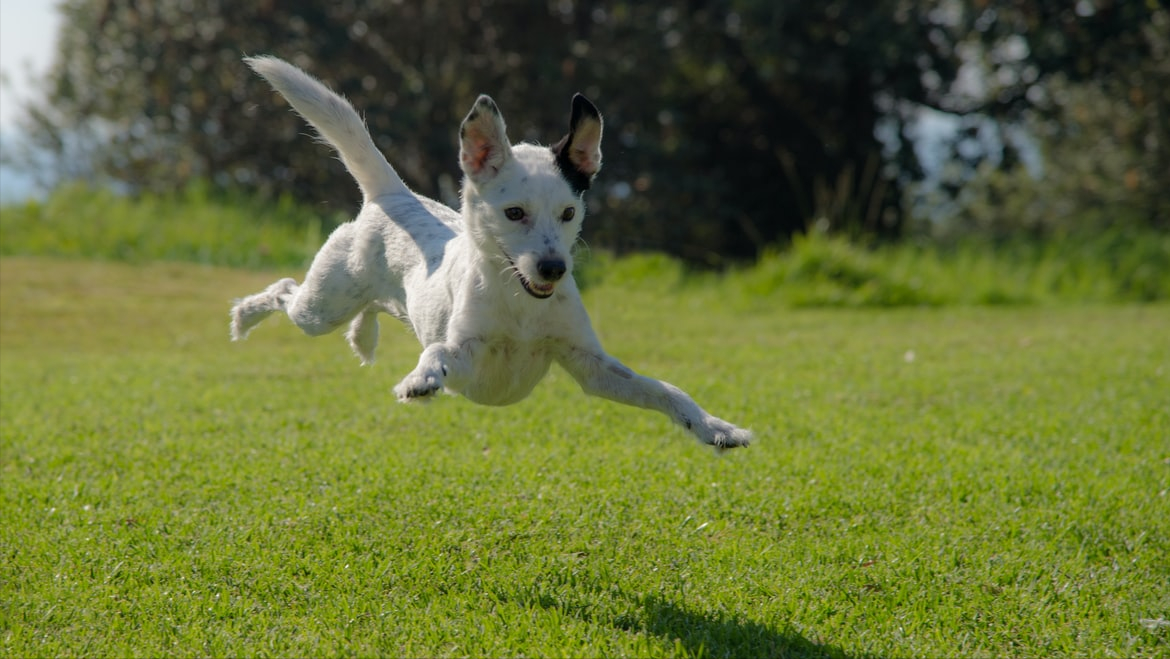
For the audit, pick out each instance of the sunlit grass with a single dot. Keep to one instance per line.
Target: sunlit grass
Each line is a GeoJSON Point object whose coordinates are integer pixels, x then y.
{"type": "Point", "coordinates": [946, 482]}
{"type": "Point", "coordinates": [816, 270]}
{"type": "Point", "coordinates": [193, 226]}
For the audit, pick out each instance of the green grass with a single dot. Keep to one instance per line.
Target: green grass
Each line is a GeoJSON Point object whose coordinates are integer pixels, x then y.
{"type": "Point", "coordinates": [196, 225]}
{"type": "Point", "coordinates": [818, 271]}
{"type": "Point", "coordinates": [963, 481]}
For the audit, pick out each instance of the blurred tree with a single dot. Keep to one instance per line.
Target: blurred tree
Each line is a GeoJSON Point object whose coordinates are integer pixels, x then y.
{"type": "Point", "coordinates": [730, 123]}
{"type": "Point", "coordinates": [1089, 84]}
{"type": "Point", "coordinates": [1100, 169]}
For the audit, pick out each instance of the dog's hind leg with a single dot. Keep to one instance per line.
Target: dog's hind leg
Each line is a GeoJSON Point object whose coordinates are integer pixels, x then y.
{"type": "Point", "coordinates": [363, 334]}
{"type": "Point", "coordinates": [249, 311]}
{"type": "Point", "coordinates": [336, 288]}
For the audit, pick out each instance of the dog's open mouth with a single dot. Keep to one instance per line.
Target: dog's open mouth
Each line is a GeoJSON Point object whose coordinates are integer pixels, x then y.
{"type": "Point", "coordinates": [539, 291]}
{"type": "Point", "coordinates": [536, 290]}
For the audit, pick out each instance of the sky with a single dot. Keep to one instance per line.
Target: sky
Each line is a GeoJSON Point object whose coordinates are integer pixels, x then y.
{"type": "Point", "coordinates": [28, 30]}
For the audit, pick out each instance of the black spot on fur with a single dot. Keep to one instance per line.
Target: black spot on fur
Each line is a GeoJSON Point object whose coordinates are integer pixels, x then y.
{"type": "Point", "coordinates": [578, 180]}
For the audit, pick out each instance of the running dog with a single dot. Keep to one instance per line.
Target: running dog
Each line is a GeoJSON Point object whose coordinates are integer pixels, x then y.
{"type": "Point", "coordinates": [488, 290]}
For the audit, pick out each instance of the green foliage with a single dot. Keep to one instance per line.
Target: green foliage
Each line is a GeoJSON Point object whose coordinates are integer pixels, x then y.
{"type": "Point", "coordinates": [1095, 177]}
{"type": "Point", "coordinates": [647, 271]}
{"type": "Point", "coordinates": [823, 271]}
{"type": "Point", "coordinates": [979, 482]}
{"type": "Point", "coordinates": [816, 270]}
{"type": "Point", "coordinates": [1103, 148]}
{"type": "Point", "coordinates": [195, 225]}
{"type": "Point", "coordinates": [819, 270]}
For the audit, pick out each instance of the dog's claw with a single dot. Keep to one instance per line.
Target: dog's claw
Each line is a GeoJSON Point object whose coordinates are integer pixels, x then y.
{"type": "Point", "coordinates": [721, 434]}
{"type": "Point", "coordinates": [736, 439]}
{"type": "Point", "coordinates": [417, 388]}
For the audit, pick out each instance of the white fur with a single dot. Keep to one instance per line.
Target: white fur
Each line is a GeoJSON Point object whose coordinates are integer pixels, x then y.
{"type": "Point", "coordinates": [491, 299]}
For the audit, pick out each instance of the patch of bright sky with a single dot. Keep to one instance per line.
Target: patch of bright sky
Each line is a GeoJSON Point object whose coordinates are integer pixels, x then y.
{"type": "Point", "coordinates": [28, 32]}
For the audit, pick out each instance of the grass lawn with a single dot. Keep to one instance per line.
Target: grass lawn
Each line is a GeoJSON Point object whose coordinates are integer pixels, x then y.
{"type": "Point", "coordinates": [946, 482]}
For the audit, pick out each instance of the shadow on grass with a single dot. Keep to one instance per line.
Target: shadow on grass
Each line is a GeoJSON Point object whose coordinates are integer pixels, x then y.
{"type": "Point", "coordinates": [693, 633]}
{"type": "Point", "coordinates": [707, 635]}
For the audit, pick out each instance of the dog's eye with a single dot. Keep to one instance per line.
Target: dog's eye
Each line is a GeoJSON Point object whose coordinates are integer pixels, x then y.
{"type": "Point", "coordinates": [568, 214]}
{"type": "Point", "coordinates": [514, 213]}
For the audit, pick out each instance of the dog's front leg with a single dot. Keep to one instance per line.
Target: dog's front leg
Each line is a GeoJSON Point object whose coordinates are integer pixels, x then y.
{"type": "Point", "coordinates": [601, 375]}
{"type": "Point", "coordinates": [439, 364]}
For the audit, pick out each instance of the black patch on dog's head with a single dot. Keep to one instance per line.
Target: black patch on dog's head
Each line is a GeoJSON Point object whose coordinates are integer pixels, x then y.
{"type": "Point", "coordinates": [577, 179]}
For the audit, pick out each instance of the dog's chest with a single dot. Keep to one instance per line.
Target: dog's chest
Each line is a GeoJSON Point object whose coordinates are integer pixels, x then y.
{"type": "Point", "coordinates": [505, 370]}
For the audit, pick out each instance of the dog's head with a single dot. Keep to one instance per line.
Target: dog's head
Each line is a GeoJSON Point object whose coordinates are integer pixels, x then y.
{"type": "Point", "coordinates": [522, 204]}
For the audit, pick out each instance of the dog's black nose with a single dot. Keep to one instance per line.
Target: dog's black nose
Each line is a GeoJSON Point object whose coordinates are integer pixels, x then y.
{"type": "Point", "coordinates": [551, 269]}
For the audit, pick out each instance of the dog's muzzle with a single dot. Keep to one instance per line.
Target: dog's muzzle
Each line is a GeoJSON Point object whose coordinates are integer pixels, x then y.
{"type": "Point", "coordinates": [551, 270]}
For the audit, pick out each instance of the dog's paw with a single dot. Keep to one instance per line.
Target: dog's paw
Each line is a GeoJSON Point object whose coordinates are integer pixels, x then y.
{"type": "Point", "coordinates": [416, 387]}
{"type": "Point", "coordinates": [721, 434]}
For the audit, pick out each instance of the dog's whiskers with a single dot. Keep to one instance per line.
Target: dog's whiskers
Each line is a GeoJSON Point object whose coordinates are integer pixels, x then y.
{"type": "Point", "coordinates": [515, 272]}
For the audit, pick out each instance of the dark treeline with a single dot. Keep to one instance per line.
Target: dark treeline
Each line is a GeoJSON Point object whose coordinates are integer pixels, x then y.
{"type": "Point", "coordinates": [730, 124]}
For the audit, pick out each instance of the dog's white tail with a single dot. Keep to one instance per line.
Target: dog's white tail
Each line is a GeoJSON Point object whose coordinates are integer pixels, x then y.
{"type": "Point", "coordinates": [336, 121]}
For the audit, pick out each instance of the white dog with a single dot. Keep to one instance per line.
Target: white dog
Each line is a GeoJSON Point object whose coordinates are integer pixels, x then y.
{"type": "Point", "coordinates": [488, 291]}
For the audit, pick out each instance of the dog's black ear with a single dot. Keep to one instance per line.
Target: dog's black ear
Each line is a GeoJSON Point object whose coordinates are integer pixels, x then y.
{"type": "Point", "coordinates": [483, 141]}
{"type": "Point", "coordinates": [578, 154]}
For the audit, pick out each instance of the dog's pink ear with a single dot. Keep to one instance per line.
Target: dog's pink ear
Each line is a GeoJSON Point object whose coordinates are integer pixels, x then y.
{"type": "Point", "coordinates": [579, 153]}
{"type": "Point", "coordinates": [483, 141]}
